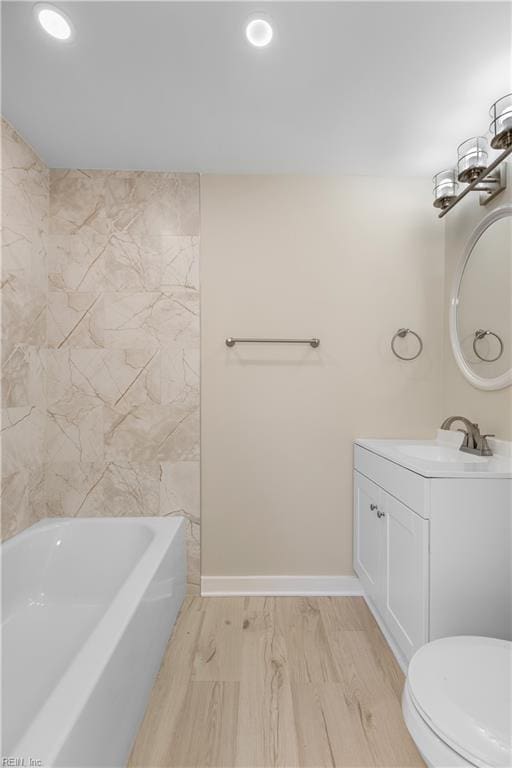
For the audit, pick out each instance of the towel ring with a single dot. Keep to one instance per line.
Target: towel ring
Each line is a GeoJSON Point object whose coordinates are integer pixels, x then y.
{"type": "Point", "coordinates": [480, 334]}
{"type": "Point", "coordinates": [402, 333]}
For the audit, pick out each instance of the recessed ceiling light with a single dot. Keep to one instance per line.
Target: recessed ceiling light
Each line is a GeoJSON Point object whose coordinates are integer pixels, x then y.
{"type": "Point", "coordinates": [53, 21]}
{"type": "Point", "coordinates": [259, 31]}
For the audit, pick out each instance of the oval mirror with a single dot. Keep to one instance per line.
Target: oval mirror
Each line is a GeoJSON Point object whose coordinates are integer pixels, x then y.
{"type": "Point", "coordinates": [480, 305]}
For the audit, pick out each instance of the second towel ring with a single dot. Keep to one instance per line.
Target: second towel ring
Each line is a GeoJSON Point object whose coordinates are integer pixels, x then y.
{"type": "Point", "coordinates": [402, 333]}
{"type": "Point", "coordinates": [480, 334]}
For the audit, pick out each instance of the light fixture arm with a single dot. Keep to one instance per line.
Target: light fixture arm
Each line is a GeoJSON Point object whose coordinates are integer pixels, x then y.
{"type": "Point", "coordinates": [492, 181]}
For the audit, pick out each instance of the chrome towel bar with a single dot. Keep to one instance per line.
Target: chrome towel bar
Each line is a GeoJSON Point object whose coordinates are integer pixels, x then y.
{"type": "Point", "coordinates": [231, 341]}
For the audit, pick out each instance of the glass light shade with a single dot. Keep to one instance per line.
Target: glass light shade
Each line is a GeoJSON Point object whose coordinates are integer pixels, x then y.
{"type": "Point", "coordinates": [501, 123]}
{"type": "Point", "coordinates": [472, 161]}
{"type": "Point", "coordinates": [445, 188]}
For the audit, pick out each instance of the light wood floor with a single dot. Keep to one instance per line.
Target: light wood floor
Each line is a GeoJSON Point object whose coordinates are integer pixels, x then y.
{"type": "Point", "coordinates": [287, 682]}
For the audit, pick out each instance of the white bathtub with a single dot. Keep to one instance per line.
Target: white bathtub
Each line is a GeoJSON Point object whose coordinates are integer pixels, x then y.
{"type": "Point", "coordinates": [88, 608]}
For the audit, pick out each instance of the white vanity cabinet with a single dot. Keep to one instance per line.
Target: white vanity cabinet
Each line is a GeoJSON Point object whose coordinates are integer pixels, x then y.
{"type": "Point", "coordinates": [432, 554]}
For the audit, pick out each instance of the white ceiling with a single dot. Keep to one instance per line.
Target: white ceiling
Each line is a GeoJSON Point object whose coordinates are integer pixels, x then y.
{"type": "Point", "coordinates": [345, 87]}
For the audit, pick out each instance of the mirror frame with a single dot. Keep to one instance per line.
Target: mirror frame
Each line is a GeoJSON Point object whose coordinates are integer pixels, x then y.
{"type": "Point", "coordinates": [505, 379]}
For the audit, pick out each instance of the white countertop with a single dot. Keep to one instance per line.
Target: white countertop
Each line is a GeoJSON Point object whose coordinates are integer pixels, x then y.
{"type": "Point", "coordinates": [459, 464]}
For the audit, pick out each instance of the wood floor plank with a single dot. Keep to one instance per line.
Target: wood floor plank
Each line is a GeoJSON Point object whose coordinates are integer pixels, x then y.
{"type": "Point", "coordinates": [352, 614]}
{"type": "Point", "coordinates": [330, 733]}
{"type": "Point", "coordinates": [361, 656]}
{"type": "Point", "coordinates": [266, 726]}
{"type": "Point", "coordinates": [219, 647]}
{"type": "Point", "coordinates": [309, 655]}
{"type": "Point", "coordinates": [389, 669]}
{"type": "Point", "coordinates": [262, 682]}
{"type": "Point", "coordinates": [170, 689]}
{"type": "Point", "coordinates": [345, 613]}
{"type": "Point", "coordinates": [369, 693]}
{"type": "Point", "coordinates": [258, 613]}
{"type": "Point", "coordinates": [207, 737]}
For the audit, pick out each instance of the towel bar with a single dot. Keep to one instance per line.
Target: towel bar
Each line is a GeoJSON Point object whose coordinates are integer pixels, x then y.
{"type": "Point", "coordinates": [231, 341]}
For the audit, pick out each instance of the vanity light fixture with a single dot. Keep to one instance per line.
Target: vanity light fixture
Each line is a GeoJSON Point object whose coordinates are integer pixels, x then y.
{"type": "Point", "coordinates": [259, 31]}
{"type": "Point", "coordinates": [445, 188]}
{"type": "Point", "coordinates": [472, 159]}
{"type": "Point", "coordinates": [472, 169]}
{"type": "Point", "coordinates": [54, 21]}
{"type": "Point", "coordinates": [501, 125]}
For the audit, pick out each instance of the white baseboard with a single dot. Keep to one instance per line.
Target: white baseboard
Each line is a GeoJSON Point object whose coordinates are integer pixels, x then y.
{"type": "Point", "coordinates": [280, 586]}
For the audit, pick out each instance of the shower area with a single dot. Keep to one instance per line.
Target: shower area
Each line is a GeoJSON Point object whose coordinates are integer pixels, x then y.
{"type": "Point", "coordinates": [100, 344]}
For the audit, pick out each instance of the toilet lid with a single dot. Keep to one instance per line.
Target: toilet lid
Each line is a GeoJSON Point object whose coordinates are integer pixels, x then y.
{"type": "Point", "coordinates": [462, 687]}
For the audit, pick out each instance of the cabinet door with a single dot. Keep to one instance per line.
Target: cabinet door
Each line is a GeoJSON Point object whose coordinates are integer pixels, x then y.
{"type": "Point", "coordinates": [368, 536]}
{"type": "Point", "coordinates": [405, 598]}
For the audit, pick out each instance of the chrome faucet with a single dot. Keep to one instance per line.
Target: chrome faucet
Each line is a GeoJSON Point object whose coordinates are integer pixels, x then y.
{"type": "Point", "coordinates": [473, 441]}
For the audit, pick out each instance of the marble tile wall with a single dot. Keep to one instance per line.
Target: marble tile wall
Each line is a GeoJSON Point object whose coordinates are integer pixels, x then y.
{"type": "Point", "coordinates": [122, 434]}
{"type": "Point", "coordinates": [101, 380]}
{"type": "Point", "coordinates": [25, 185]}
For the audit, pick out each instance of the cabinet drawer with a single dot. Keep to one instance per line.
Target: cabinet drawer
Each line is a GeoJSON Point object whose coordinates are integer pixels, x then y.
{"type": "Point", "coordinates": [407, 486]}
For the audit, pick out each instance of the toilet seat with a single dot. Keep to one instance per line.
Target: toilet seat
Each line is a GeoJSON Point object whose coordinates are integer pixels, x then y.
{"type": "Point", "coordinates": [435, 752]}
{"type": "Point", "coordinates": [461, 688]}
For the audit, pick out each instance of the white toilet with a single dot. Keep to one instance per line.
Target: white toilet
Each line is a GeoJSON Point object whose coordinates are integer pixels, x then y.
{"type": "Point", "coordinates": [457, 702]}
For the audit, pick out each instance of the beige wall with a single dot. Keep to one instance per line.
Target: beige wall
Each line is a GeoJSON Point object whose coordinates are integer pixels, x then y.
{"type": "Point", "coordinates": [349, 260]}
{"type": "Point", "coordinates": [491, 409]}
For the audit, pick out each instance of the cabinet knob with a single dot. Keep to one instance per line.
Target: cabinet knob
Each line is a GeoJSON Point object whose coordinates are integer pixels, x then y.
{"type": "Point", "coordinates": [380, 514]}
{"type": "Point", "coordinates": [373, 507]}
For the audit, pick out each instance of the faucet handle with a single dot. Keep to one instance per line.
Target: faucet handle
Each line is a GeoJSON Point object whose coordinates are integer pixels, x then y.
{"type": "Point", "coordinates": [483, 446]}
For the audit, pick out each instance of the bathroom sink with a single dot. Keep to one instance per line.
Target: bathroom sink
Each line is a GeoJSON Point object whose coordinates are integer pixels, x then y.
{"type": "Point", "coordinates": [442, 457]}
{"type": "Point", "coordinates": [441, 453]}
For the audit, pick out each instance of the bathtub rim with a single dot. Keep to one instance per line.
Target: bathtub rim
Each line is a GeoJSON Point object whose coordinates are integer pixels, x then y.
{"type": "Point", "coordinates": [46, 734]}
